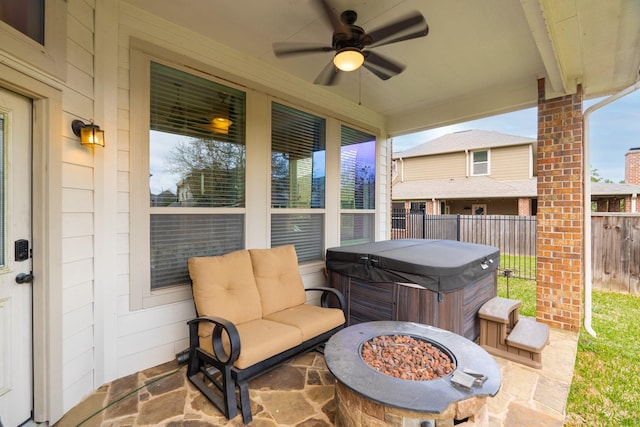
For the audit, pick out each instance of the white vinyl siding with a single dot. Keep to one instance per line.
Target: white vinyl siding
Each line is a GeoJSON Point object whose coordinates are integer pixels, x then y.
{"type": "Point", "coordinates": [511, 163]}
{"type": "Point", "coordinates": [441, 166]}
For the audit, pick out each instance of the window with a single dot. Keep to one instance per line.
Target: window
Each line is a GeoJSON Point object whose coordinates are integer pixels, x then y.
{"type": "Point", "coordinates": [25, 16]}
{"type": "Point", "coordinates": [193, 200]}
{"type": "Point", "coordinates": [479, 209]}
{"type": "Point", "coordinates": [197, 164]}
{"type": "Point", "coordinates": [480, 163]}
{"type": "Point", "coordinates": [357, 186]}
{"type": "Point", "coordinates": [297, 181]}
{"type": "Point", "coordinates": [35, 31]}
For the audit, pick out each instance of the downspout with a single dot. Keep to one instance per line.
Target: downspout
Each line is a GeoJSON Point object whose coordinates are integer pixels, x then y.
{"type": "Point", "coordinates": [401, 169]}
{"type": "Point", "coordinates": [588, 276]}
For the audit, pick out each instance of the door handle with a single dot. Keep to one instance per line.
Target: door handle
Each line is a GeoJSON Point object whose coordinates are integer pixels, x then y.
{"type": "Point", "coordinates": [24, 278]}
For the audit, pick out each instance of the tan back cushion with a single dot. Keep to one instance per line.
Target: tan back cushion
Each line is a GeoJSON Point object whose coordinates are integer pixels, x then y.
{"type": "Point", "coordinates": [278, 279]}
{"type": "Point", "coordinates": [224, 286]}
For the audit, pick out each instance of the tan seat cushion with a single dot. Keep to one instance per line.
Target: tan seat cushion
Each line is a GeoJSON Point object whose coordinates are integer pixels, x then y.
{"type": "Point", "coordinates": [260, 339]}
{"type": "Point", "coordinates": [278, 278]}
{"type": "Point", "coordinates": [224, 286]}
{"type": "Point", "coordinates": [310, 319]}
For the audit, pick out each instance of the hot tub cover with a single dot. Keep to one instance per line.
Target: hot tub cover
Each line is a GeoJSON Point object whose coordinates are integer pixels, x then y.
{"type": "Point", "coordinates": [438, 265]}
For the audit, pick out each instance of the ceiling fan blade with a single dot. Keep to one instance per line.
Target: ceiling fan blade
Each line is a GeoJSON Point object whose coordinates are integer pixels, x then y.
{"type": "Point", "coordinates": [381, 66]}
{"type": "Point", "coordinates": [330, 15]}
{"type": "Point", "coordinates": [328, 76]}
{"type": "Point", "coordinates": [406, 28]}
{"type": "Point", "coordinates": [285, 48]}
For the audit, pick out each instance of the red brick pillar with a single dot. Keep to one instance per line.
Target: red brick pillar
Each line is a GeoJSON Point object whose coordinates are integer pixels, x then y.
{"type": "Point", "coordinates": [524, 207]}
{"type": "Point", "coordinates": [560, 210]}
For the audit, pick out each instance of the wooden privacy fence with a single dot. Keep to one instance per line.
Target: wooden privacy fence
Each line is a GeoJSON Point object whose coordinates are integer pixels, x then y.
{"type": "Point", "coordinates": [615, 244]}
{"type": "Point", "coordinates": [514, 235]}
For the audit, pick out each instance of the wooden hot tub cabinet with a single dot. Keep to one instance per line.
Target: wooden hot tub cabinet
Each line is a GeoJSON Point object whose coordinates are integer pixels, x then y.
{"type": "Point", "coordinates": [454, 309]}
{"type": "Point", "coordinates": [457, 312]}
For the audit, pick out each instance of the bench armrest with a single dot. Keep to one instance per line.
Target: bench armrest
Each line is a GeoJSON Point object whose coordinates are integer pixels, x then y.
{"type": "Point", "coordinates": [220, 325]}
{"type": "Point", "coordinates": [326, 293]}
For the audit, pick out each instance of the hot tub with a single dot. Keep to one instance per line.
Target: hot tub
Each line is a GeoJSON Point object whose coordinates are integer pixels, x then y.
{"type": "Point", "coordinates": [442, 283]}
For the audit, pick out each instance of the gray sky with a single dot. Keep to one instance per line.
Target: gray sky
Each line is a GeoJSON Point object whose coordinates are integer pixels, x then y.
{"type": "Point", "coordinates": [615, 128]}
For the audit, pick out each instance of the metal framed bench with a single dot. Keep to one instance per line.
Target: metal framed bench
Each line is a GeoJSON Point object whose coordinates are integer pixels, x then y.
{"type": "Point", "coordinates": [252, 316]}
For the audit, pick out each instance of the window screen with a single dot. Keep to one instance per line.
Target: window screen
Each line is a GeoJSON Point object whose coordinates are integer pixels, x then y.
{"type": "Point", "coordinates": [196, 165]}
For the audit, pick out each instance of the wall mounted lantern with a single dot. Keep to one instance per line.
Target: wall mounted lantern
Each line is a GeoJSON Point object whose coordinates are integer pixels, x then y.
{"type": "Point", "coordinates": [90, 134]}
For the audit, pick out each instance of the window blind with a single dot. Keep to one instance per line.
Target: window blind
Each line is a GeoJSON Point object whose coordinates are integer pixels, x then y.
{"type": "Point", "coordinates": [297, 158]}
{"type": "Point", "coordinates": [357, 169]}
{"type": "Point", "coordinates": [305, 231]}
{"type": "Point", "coordinates": [197, 141]}
{"type": "Point", "coordinates": [357, 186]}
{"type": "Point", "coordinates": [176, 238]}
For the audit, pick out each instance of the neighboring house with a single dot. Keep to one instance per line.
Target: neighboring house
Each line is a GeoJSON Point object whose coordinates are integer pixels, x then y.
{"type": "Point", "coordinates": [480, 172]}
{"type": "Point", "coordinates": [470, 172]}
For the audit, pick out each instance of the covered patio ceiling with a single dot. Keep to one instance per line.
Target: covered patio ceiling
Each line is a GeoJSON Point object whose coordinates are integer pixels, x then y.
{"type": "Point", "coordinates": [479, 59]}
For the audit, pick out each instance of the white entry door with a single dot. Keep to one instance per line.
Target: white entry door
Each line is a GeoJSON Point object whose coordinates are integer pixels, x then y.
{"type": "Point", "coordinates": [16, 382]}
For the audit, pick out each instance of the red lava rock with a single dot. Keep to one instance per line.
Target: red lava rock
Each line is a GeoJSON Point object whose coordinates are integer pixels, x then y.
{"type": "Point", "coordinates": [406, 357]}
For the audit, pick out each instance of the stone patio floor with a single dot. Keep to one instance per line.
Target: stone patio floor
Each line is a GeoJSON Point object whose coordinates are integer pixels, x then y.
{"type": "Point", "coordinates": [300, 393]}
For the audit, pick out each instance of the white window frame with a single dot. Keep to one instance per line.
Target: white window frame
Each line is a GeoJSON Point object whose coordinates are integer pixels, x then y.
{"type": "Point", "coordinates": [474, 163]}
{"type": "Point", "coordinates": [141, 295]}
{"type": "Point", "coordinates": [50, 58]}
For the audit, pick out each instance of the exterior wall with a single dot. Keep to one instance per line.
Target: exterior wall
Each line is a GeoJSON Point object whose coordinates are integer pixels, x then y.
{"type": "Point", "coordinates": [511, 163]}
{"type": "Point", "coordinates": [92, 336]}
{"type": "Point", "coordinates": [506, 163]}
{"type": "Point", "coordinates": [560, 210]}
{"type": "Point", "coordinates": [442, 166]}
{"type": "Point", "coordinates": [494, 206]}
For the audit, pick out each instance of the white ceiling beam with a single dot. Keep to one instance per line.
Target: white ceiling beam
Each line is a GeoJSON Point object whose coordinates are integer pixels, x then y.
{"type": "Point", "coordinates": [540, 30]}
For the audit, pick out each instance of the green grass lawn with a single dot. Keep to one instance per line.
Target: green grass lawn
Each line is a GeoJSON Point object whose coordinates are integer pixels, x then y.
{"type": "Point", "coordinates": [605, 390]}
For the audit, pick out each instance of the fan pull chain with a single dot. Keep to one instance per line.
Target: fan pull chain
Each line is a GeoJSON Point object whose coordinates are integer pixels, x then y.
{"type": "Point", "coordinates": [360, 86]}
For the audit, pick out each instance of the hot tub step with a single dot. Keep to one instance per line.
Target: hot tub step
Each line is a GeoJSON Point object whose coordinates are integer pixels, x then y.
{"type": "Point", "coordinates": [529, 335]}
{"type": "Point", "coordinates": [503, 333]}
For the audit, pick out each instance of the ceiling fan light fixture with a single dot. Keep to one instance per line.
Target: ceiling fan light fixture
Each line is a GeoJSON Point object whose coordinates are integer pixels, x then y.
{"type": "Point", "coordinates": [221, 125]}
{"type": "Point", "coordinates": [348, 59]}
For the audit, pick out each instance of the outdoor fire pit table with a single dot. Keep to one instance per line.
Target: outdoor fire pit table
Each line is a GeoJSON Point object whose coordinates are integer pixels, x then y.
{"type": "Point", "coordinates": [365, 396]}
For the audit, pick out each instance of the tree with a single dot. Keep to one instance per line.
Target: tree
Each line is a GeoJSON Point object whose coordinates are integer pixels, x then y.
{"type": "Point", "coordinates": [595, 177]}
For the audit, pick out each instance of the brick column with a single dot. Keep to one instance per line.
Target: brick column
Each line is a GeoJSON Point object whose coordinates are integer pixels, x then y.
{"type": "Point", "coordinates": [560, 210]}
{"type": "Point", "coordinates": [524, 207]}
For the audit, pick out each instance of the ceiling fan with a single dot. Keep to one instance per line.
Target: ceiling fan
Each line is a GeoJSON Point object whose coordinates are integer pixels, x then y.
{"type": "Point", "coordinates": [352, 44]}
